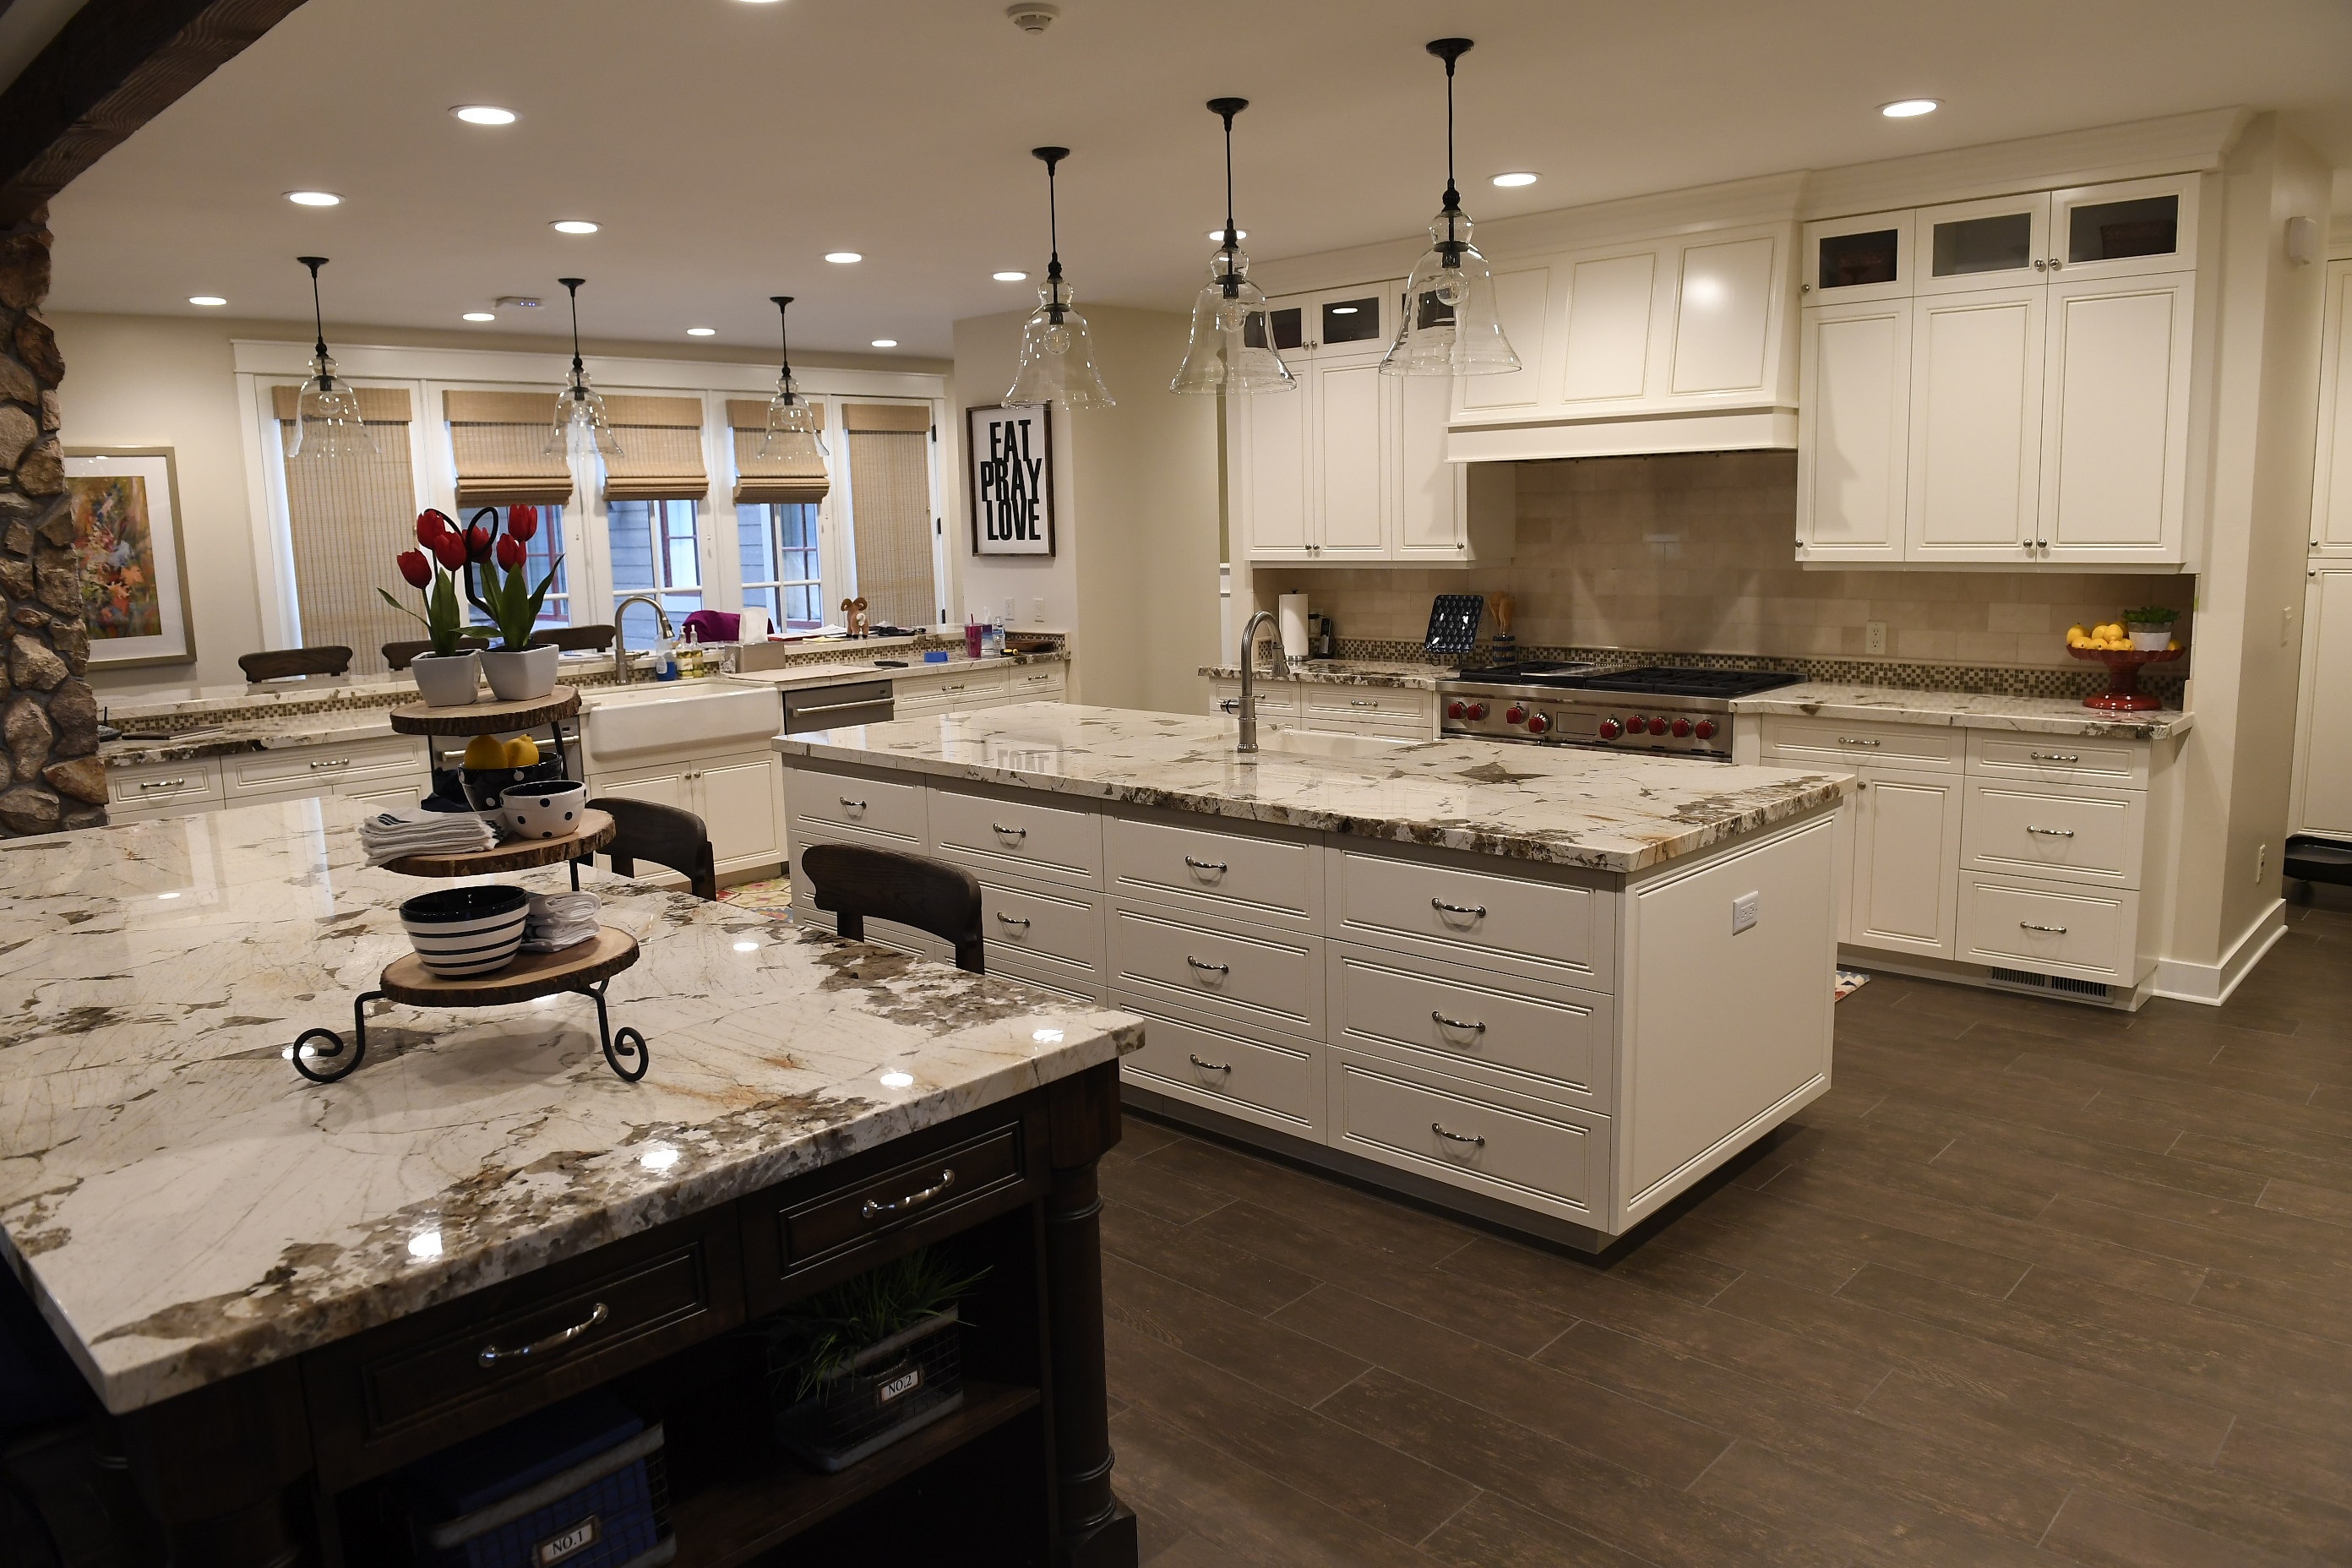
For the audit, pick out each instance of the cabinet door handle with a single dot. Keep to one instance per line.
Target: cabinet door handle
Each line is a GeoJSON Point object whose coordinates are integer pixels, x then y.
{"type": "Point", "coordinates": [331, 763]}
{"type": "Point", "coordinates": [1363, 702]}
{"type": "Point", "coordinates": [1212, 968]}
{"type": "Point", "coordinates": [1219, 866]}
{"type": "Point", "coordinates": [163, 784]}
{"type": "Point", "coordinates": [1208, 1067]}
{"type": "Point", "coordinates": [1864, 741]}
{"type": "Point", "coordinates": [1009, 832]}
{"type": "Point", "coordinates": [1474, 1026]}
{"type": "Point", "coordinates": [490, 1355]}
{"type": "Point", "coordinates": [2053, 756]}
{"type": "Point", "coordinates": [2039, 264]}
{"type": "Point", "coordinates": [875, 1208]}
{"type": "Point", "coordinates": [1439, 1128]}
{"type": "Point", "coordinates": [1475, 911]}
{"type": "Point", "coordinates": [1011, 919]}
{"type": "Point", "coordinates": [849, 804]}
{"type": "Point", "coordinates": [2029, 925]}
{"type": "Point", "coordinates": [2051, 832]}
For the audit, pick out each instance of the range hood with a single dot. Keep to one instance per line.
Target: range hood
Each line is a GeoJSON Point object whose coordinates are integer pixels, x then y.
{"type": "Point", "coordinates": [1624, 435]}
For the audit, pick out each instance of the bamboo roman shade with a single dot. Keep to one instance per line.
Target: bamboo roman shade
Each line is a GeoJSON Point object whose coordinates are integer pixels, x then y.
{"type": "Point", "coordinates": [770, 481]}
{"type": "Point", "coordinates": [661, 449]}
{"type": "Point", "coordinates": [880, 416]}
{"type": "Point", "coordinates": [347, 518]}
{"type": "Point", "coordinates": [500, 440]}
{"type": "Point", "coordinates": [890, 507]}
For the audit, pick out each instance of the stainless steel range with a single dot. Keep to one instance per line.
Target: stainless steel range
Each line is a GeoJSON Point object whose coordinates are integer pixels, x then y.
{"type": "Point", "coordinates": [1652, 707]}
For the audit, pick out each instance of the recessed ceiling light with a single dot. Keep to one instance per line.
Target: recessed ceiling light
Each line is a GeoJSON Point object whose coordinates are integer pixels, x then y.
{"type": "Point", "coordinates": [1217, 235]}
{"type": "Point", "coordinates": [484, 114]}
{"type": "Point", "coordinates": [844, 256]}
{"type": "Point", "coordinates": [314, 198]}
{"type": "Point", "coordinates": [1909, 108]}
{"type": "Point", "coordinates": [481, 316]}
{"type": "Point", "coordinates": [572, 226]}
{"type": "Point", "coordinates": [1517, 177]}
{"type": "Point", "coordinates": [1010, 277]}
{"type": "Point", "coordinates": [702, 331]}
{"type": "Point", "coordinates": [885, 342]}
{"type": "Point", "coordinates": [207, 299]}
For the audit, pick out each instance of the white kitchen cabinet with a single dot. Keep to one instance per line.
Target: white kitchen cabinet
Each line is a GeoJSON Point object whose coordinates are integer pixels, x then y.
{"type": "Point", "coordinates": [1522, 298]}
{"type": "Point", "coordinates": [1848, 259]}
{"type": "Point", "coordinates": [1357, 467]}
{"type": "Point", "coordinates": [1906, 862]}
{"type": "Point", "coordinates": [1853, 427]}
{"type": "Point", "coordinates": [1973, 484]}
{"type": "Point", "coordinates": [1725, 308]}
{"type": "Point", "coordinates": [1400, 714]}
{"type": "Point", "coordinates": [2322, 749]}
{"type": "Point", "coordinates": [2115, 418]}
{"type": "Point", "coordinates": [2331, 495]}
{"type": "Point", "coordinates": [738, 796]}
{"type": "Point", "coordinates": [2126, 229]}
{"type": "Point", "coordinates": [1271, 436]}
{"type": "Point", "coordinates": [1989, 243]}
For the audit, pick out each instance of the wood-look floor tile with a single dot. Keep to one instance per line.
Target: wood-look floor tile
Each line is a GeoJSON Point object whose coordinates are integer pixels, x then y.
{"type": "Point", "coordinates": [1858, 1519]}
{"type": "Point", "coordinates": [2092, 1529]}
{"type": "Point", "coordinates": [1685, 1275]}
{"type": "Point", "coordinates": [1232, 1274]}
{"type": "Point", "coordinates": [2271, 1252]}
{"type": "Point", "coordinates": [1955, 1110]}
{"type": "Point", "coordinates": [2316, 1163]}
{"type": "Point", "coordinates": [1367, 1220]}
{"type": "Point", "coordinates": [1782, 1213]}
{"type": "Point", "coordinates": [1493, 1533]}
{"type": "Point", "coordinates": [2331, 1205]}
{"type": "Point", "coordinates": [2064, 1163]}
{"type": "Point", "coordinates": [2298, 1461]}
{"type": "Point", "coordinates": [1153, 1187]}
{"type": "Point", "coordinates": [1297, 1368]}
{"type": "Point", "coordinates": [2001, 1193]}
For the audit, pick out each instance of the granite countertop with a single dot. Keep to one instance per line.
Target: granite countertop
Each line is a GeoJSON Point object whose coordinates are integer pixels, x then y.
{"type": "Point", "coordinates": [799, 675]}
{"type": "Point", "coordinates": [1402, 674]}
{"type": "Point", "coordinates": [1965, 711]}
{"type": "Point", "coordinates": [240, 735]}
{"type": "Point", "coordinates": [1554, 804]}
{"type": "Point", "coordinates": [185, 1208]}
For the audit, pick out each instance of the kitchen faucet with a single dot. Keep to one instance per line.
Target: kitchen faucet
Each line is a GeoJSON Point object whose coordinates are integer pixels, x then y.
{"type": "Point", "coordinates": [620, 637]}
{"type": "Point", "coordinates": [1247, 707]}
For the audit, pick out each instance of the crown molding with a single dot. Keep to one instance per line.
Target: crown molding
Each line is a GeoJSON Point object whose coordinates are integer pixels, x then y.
{"type": "Point", "coordinates": [2175, 144]}
{"type": "Point", "coordinates": [263, 356]}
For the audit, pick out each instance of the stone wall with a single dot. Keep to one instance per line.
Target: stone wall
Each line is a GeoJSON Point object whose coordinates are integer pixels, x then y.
{"type": "Point", "coordinates": [48, 716]}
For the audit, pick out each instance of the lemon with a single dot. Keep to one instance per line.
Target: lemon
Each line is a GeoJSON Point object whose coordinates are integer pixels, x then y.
{"type": "Point", "coordinates": [2077, 634]}
{"type": "Point", "coordinates": [522, 751]}
{"type": "Point", "coordinates": [485, 751]}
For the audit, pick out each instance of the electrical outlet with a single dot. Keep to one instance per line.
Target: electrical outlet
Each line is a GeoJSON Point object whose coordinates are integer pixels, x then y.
{"type": "Point", "coordinates": [1744, 911]}
{"type": "Point", "coordinates": [1036, 611]}
{"type": "Point", "coordinates": [2261, 862]}
{"type": "Point", "coordinates": [1874, 636]}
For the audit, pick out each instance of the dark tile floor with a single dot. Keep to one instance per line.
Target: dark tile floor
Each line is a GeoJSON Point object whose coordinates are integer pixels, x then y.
{"type": "Point", "coordinates": [2034, 1284]}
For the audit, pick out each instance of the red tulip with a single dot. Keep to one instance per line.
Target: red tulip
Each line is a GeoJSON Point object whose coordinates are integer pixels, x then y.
{"type": "Point", "coordinates": [432, 526]}
{"type": "Point", "coordinates": [522, 522]}
{"type": "Point", "coordinates": [415, 567]}
{"type": "Point", "coordinates": [478, 543]}
{"type": "Point", "coordinates": [512, 552]}
{"type": "Point", "coordinates": [450, 551]}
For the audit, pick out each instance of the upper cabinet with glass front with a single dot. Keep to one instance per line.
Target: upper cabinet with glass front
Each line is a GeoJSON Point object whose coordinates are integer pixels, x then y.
{"type": "Point", "coordinates": [2127, 230]}
{"type": "Point", "coordinates": [1851, 259]}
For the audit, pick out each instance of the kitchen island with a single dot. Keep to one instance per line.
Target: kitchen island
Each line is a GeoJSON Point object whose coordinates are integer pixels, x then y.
{"type": "Point", "coordinates": [279, 1290]}
{"type": "Point", "coordinates": [1548, 986]}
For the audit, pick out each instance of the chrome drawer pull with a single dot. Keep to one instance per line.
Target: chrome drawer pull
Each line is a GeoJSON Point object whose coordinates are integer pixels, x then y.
{"type": "Point", "coordinates": [1217, 865]}
{"type": "Point", "coordinates": [1213, 968]}
{"type": "Point", "coordinates": [1439, 1128]}
{"type": "Point", "coordinates": [2053, 756]}
{"type": "Point", "coordinates": [1011, 919]}
{"type": "Point", "coordinates": [1477, 911]}
{"type": "Point", "coordinates": [849, 804]}
{"type": "Point", "coordinates": [490, 1355]}
{"type": "Point", "coordinates": [331, 763]}
{"type": "Point", "coordinates": [1208, 1067]}
{"type": "Point", "coordinates": [1475, 1028]}
{"type": "Point", "coordinates": [873, 1208]}
{"type": "Point", "coordinates": [1850, 741]}
{"type": "Point", "coordinates": [1010, 832]}
{"type": "Point", "coordinates": [2053, 930]}
{"type": "Point", "coordinates": [2051, 832]}
{"type": "Point", "coordinates": [1362, 702]}
{"type": "Point", "coordinates": [163, 784]}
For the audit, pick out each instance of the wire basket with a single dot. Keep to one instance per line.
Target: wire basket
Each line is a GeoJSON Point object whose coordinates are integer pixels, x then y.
{"type": "Point", "coordinates": [610, 1510]}
{"type": "Point", "coordinates": [889, 1389]}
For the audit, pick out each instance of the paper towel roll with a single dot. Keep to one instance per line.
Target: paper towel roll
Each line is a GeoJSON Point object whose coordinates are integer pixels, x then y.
{"type": "Point", "coordinates": [1290, 614]}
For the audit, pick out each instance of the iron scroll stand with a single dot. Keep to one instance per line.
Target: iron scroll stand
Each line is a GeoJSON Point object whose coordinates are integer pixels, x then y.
{"type": "Point", "coordinates": [625, 1049]}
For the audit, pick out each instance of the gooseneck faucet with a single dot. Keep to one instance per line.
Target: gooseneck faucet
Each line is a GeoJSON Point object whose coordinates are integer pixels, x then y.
{"type": "Point", "coordinates": [621, 638]}
{"type": "Point", "coordinates": [1247, 708]}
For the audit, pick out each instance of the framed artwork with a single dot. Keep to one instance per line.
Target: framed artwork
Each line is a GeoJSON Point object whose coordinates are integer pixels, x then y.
{"type": "Point", "coordinates": [1009, 456]}
{"type": "Point", "coordinates": [125, 503]}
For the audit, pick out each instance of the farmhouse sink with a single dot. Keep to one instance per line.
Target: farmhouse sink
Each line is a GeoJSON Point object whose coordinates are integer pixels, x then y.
{"type": "Point", "coordinates": [1323, 744]}
{"type": "Point", "coordinates": [661, 718]}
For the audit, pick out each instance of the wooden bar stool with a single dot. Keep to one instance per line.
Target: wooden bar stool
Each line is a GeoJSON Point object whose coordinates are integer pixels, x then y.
{"type": "Point", "coordinates": [396, 655]}
{"type": "Point", "coordinates": [574, 639]}
{"type": "Point", "coordinates": [664, 835]}
{"type": "Point", "coordinates": [854, 883]}
{"type": "Point", "coordinates": [279, 663]}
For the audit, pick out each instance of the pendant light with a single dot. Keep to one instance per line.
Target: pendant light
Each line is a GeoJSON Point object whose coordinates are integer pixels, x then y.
{"type": "Point", "coordinates": [1233, 340]}
{"type": "Point", "coordinates": [327, 422]}
{"type": "Point", "coordinates": [1451, 325]}
{"type": "Point", "coordinates": [792, 425]}
{"type": "Point", "coordinates": [580, 423]}
{"type": "Point", "coordinates": [1057, 359]}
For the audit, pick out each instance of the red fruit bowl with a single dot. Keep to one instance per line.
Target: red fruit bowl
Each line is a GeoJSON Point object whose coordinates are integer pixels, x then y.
{"type": "Point", "coordinates": [2123, 694]}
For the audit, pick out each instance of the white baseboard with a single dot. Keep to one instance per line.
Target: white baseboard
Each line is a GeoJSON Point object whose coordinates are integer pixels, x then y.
{"type": "Point", "coordinates": [2211, 984]}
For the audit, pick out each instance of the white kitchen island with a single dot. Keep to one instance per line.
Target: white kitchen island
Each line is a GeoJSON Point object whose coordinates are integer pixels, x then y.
{"type": "Point", "coordinates": [1547, 986]}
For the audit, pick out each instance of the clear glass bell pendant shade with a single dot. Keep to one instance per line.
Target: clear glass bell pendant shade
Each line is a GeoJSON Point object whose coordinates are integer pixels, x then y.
{"type": "Point", "coordinates": [1057, 358]}
{"type": "Point", "coordinates": [1450, 324]}
{"type": "Point", "coordinates": [326, 416]}
{"type": "Point", "coordinates": [1233, 340]}
{"type": "Point", "coordinates": [580, 423]}
{"type": "Point", "coordinates": [794, 435]}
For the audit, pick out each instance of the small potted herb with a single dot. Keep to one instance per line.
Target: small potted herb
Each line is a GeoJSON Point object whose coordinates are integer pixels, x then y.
{"type": "Point", "coordinates": [497, 585]}
{"type": "Point", "coordinates": [853, 1369]}
{"type": "Point", "coordinates": [447, 676]}
{"type": "Point", "coordinates": [2150, 627]}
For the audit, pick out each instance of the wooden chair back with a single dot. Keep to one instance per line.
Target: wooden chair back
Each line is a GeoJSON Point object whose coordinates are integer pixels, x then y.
{"type": "Point", "coordinates": [396, 655]}
{"type": "Point", "coordinates": [574, 639]}
{"type": "Point", "coordinates": [665, 835]}
{"type": "Point", "coordinates": [279, 663]}
{"type": "Point", "coordinates": [855, 883]}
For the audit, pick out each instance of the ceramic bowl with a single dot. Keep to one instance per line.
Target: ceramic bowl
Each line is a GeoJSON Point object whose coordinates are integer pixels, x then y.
{"type": "Point", "coordinates": [466, 931]}
{"type": "Point", "coordinates": [548, 810]}
{"type": "Point", "coordinates": [484, 786]}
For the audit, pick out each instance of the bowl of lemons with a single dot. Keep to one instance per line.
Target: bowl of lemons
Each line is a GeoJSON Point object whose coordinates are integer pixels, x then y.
{"type": "Point", "coordinates": [491, 767]}
{"type": "Point", "coordinates": [2135, 631]}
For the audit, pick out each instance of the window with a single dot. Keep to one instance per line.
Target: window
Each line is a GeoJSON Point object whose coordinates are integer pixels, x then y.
{"type": "Point", "coordinates": [781, 574]}
{"type": "Point", "coordinates": [346, 519]}
{"type": "Point", "coordinates": [656, 549]}
{"type": "Point", "coordinates": [544, 549]}
{"type": "Point", "coordinates": [890, 510]}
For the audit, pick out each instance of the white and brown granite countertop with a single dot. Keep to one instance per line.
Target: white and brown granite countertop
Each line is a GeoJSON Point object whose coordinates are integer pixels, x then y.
{"type": "Point", "coordinates": [185, 1208]}
{"type": "Point", "coordinates": [1965, 711]}
{"type": "Point", "coordinates": [1397, 674]}
{"type": "Point", "coordinates": [1561, 805]}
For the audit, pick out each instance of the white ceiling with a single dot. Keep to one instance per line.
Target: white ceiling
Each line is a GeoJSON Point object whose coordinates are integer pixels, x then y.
{"type": "Point", "coordinates": [725, 146]}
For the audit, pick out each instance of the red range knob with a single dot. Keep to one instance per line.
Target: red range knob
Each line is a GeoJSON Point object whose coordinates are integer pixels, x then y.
{"type": "Point", "coordinates": [1478, 710]}
{"type": "Point", "coordinates": [1657, 726]}
{"type": "Point", "coordinates": [1682, 726]}
{"type": "Point", "coordinates": [1636, 724]}
{"type": "Point", "coordinates": [1706, 731]}
{"type": "Point", "coordinates": [1455, 710]}
{"type": "Point", "coordinates": [1515, 714]}
{"type": "Point", "coordinates": [1611, 729]}
{"type": "Point", "coordinates": [1538, 724]}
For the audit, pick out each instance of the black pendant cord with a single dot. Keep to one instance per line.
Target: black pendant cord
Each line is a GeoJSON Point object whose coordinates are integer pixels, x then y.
{"type": "Point", "coordinates": [1226, 109]}
{"type": "Point", "coordinates": [1450, 51]}
{"type": "Point", "coordinates": [572, 285]}
{"type": "Point", "coordinates": [318, 316]}
{"type": "Point", "coordinates": [1052, 157]}
{"type": "Point", "coordinates": [784, 341]}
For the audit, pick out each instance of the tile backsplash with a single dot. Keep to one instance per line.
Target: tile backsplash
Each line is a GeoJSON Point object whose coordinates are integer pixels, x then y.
{"type": "Point", "coordinates": [1695, 552]}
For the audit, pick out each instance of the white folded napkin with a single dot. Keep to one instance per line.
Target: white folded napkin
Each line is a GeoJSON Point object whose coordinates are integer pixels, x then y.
{"type": "Point", "coordinates": [558, 920]}
{"type": "Point", "coordinates": [391, 835]}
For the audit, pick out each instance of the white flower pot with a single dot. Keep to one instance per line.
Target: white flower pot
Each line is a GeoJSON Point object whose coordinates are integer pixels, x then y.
{"type": "Point", "coordinates": [447, 680]}
{"type": "Point", "coordinates": [520, 677]}
{"type": "Point", "coordinates": [2150, 639]}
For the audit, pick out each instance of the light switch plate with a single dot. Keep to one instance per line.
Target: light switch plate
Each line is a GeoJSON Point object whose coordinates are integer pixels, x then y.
{"type": "Point", "coordinates": [1744, 911]}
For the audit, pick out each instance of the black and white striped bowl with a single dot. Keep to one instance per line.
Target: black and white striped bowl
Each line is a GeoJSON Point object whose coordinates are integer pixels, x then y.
{"type": "Point", "coordinates": [466, 931]}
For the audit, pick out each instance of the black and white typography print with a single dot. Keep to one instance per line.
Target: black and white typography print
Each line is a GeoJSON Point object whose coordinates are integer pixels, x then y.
{"type": "Point", "coordinates": [1011, 459]}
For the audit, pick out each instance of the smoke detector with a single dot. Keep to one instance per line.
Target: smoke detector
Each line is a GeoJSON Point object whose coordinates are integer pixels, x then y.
{"type": "Point", "coordinates": [516, 302]}
{"type": "Point", "coordinates": [1033, 15]}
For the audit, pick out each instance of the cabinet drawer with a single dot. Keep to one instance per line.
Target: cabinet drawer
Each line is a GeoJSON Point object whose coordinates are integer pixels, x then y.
{"type": "Point", "coordinates": [2049, 927]}
{"type": "Point", "coordinates": [1014, 833]}
{"type": "Point", "coordinates": [850, 800]}
{"type": "Point", "coordinates": [1272, 1081]}
{"type": "Point", "coordinates": [1914, 748]}
{"type": "Point", "coordinates": [1274, 880]}
{"type": "Point", "coordinates": [1318, 700]}
{"type": "Point", "coordinates": [382, 1398]}
{"type": "Point", "coordinates": [1553, 1158]}
{"type": "Point", "coordinates": [809, 1231]}
{"type": "Point", "coordinates": [323, 767]}
{"type": "Point", "coordinates": [1386, 729]}
{"type": "Point", "coordinates": [164, 784]}
{"type": "Point", "coordinates": [2118, 764]}
{"type": "Point", "coordinates": [1562, 930]}
{"type": "Point", "coordinates": [1049, 923]}
{"type": "Point", "coordinates": [1548, 1041]}
{"type": "Point", "coordinates": [1038, 683]}
{"type": "Point", "coordinates": [968, 684]}
{"type": "Point", "coordinates": [2060, 831]}
{"type": "Point", "coordinates": [1270, 978]}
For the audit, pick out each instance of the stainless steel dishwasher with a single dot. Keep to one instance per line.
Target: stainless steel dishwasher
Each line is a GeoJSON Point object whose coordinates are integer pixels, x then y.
{"type": "Point", "coordinates": [831, 707]}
